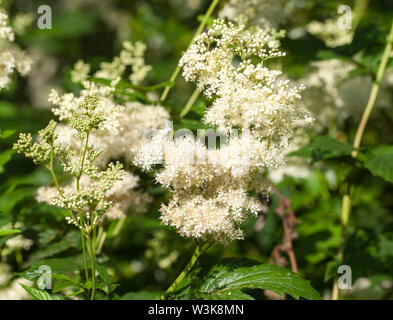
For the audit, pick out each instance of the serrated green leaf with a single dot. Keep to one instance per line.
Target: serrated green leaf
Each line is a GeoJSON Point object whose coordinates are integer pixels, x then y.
{"type": "Point", "coordinates": [227, 282]}
{"type": "Point", "coordinates": [38, 294]}
{"type": "Point", "coordinates": [61, 266]}
{"type": "Point", "coordinates": [63, 282]}
{"type": "Point", "coordinates": [233, 294]}
{"type": "Point", "coordinates": [108, 280]}
{"type": "Point", "coordinates": [380, 162]}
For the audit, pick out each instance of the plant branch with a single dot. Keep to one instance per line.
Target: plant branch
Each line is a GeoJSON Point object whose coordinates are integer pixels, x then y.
{"type": "Point", "coordinates": [197, 33]}
{"type": "Point", "coordinates": [198, 251]}
{"type": "Point", "coordinates": [84, 255]}
{"type": "Point", "coordinates": [346, 201]}
{"type": "Point", "coordinates": [93, 265]}
{"type": "Point", "coordinates": [190, 102]}
{"type": "Point", "coordinates": [284, 210]}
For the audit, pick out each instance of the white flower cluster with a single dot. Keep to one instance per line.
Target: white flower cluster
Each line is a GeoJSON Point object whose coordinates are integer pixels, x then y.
{"type": "Point", "coordinates": [86, 203]}
{"type": "Point", "coordinates": [222, 56]}
{"type": "Point", "coordinates": [330, 32]}
{"type": "Point", "coordinates": [294, 167]}
{"type": "Point", "coordinates": [119, 130]}
{"type": "Point", "coordinates": [19, 242]}
{"type": "Point", "coordinates": [249, 95]}
{"type": "Point", "coordinates": [132, 122]}
{"type": "Point", "coordinates": [68, 104]}
{"type": "Point", "coordinates": [332, 94]}
{"type": "Point", "coordinates": [131, 55]}
{"type": "Point", "coordinates": [119, 120]}
{"type": "Point", "coordinates": [14, 290]}
{"type": "Point", "coordinates": [121, 194]}
{"type": "Point", "coordinates": [211, 186]}
{"type": "Point", "coordinates": [11, 56]}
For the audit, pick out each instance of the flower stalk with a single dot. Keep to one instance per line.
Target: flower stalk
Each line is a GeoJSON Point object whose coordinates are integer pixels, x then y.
{"type": "Point", "coordinates": [197, 33]}
{"type": "Point", "coordinates": [199, 250]}
{"type": "Point", "coordinates": [93, 265]}
{"type": "Point", "coordinates": [346, 201]}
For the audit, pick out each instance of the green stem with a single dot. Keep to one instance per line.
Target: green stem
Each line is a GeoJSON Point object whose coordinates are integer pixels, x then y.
{"type": "Point", "coordinates": [82, 157]}
{"type": "Point", "coordinates": [99, 235]}
{"type": "Point", "coordinates": [198, 251]}
{"type": "Point", "coordinates": [190, 102]}
{"type": "Point", "coordinates": [119, 226]}
{"type": "Point", "coordinates": [18, 257]}
{"type": "Point", "coordinates": [100, 243]}
{"type": "Point", "coordinates": [85, 151]}
{"type": "Point", "coordinates": [93, 265]}
{"type": "Point", "coordinates": [374, 92]}
{"type": "Point", "coordinates": [358, 12]}
{"type": "Point", "coordinates": [346, 201]}
{"type": "Point", "coordinates": [52, 172]}
{"type": "Point", "coordinates": [197, 33]}
{"type": "Point", "coordinates": [84, 254]}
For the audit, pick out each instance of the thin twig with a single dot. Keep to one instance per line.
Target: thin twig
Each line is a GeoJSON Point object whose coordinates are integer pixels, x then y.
{"type": "Point", "coordinates": [284, 210]}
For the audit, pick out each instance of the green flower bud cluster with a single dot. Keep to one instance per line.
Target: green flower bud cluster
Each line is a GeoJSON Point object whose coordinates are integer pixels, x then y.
{"type": "Point", "coordinates": [85, 200]}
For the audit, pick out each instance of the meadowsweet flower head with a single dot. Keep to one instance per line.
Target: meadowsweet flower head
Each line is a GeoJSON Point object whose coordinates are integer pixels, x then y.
{"type": "Point", "coordinates": [93, 131]}
{"type": "Point", "coordinates": [330, 32]}
{"type": "Point", "coordinates": [12, 58]}
{"type": "Point", "coordinates": [22, 21]}
{"type": "Point", "coordinates": [86, 197]}
{"type": "Point", "coordinates": [211, 218]}
{"type": "Point", "coordinates": [68, 106]}
{"type": "Point", "coordinates": [6, 31]}
{"type": "Point", "coordinates": [80, 72]}
{"type": "Point", "coordinates": [211, 186]}
{"type": "Point", "coordinates": [132, 56]}
{"type": "Point", "coordinates": [40, 151]}
{"type": "Point", "coordinates": [224, 54]}
{"type": "Point", "coordinates": [249, 95]}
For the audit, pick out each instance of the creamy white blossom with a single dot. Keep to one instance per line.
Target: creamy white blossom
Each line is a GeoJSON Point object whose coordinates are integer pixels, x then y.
{"type": "Point", "coordinates": [19, 242]}
{"type": "Point", "coordinates": [332, 94]}
{"type": "Point", "coordinates": [109, 133]}
{"type": "Point", "coordinates": [122, 193]}
{"type": "Point", "coordinates": [211, 186]}
{"type": "Point", "coordinates": [14, 291]}
{"type": "Point", "coordinates": [12, 58]}
{"type": "Point", "coordinates": [330, 32]}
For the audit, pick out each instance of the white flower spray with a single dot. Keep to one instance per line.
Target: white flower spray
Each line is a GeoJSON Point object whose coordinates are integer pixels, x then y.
{"type": "Point", "coordinates": [12, 58]}
{"type": "Point", "coordinates": [95, 129]}
{"type": "Point", "coordinates": [211, 186]}
{"type": "Point", "coordinates": [214, 190]}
